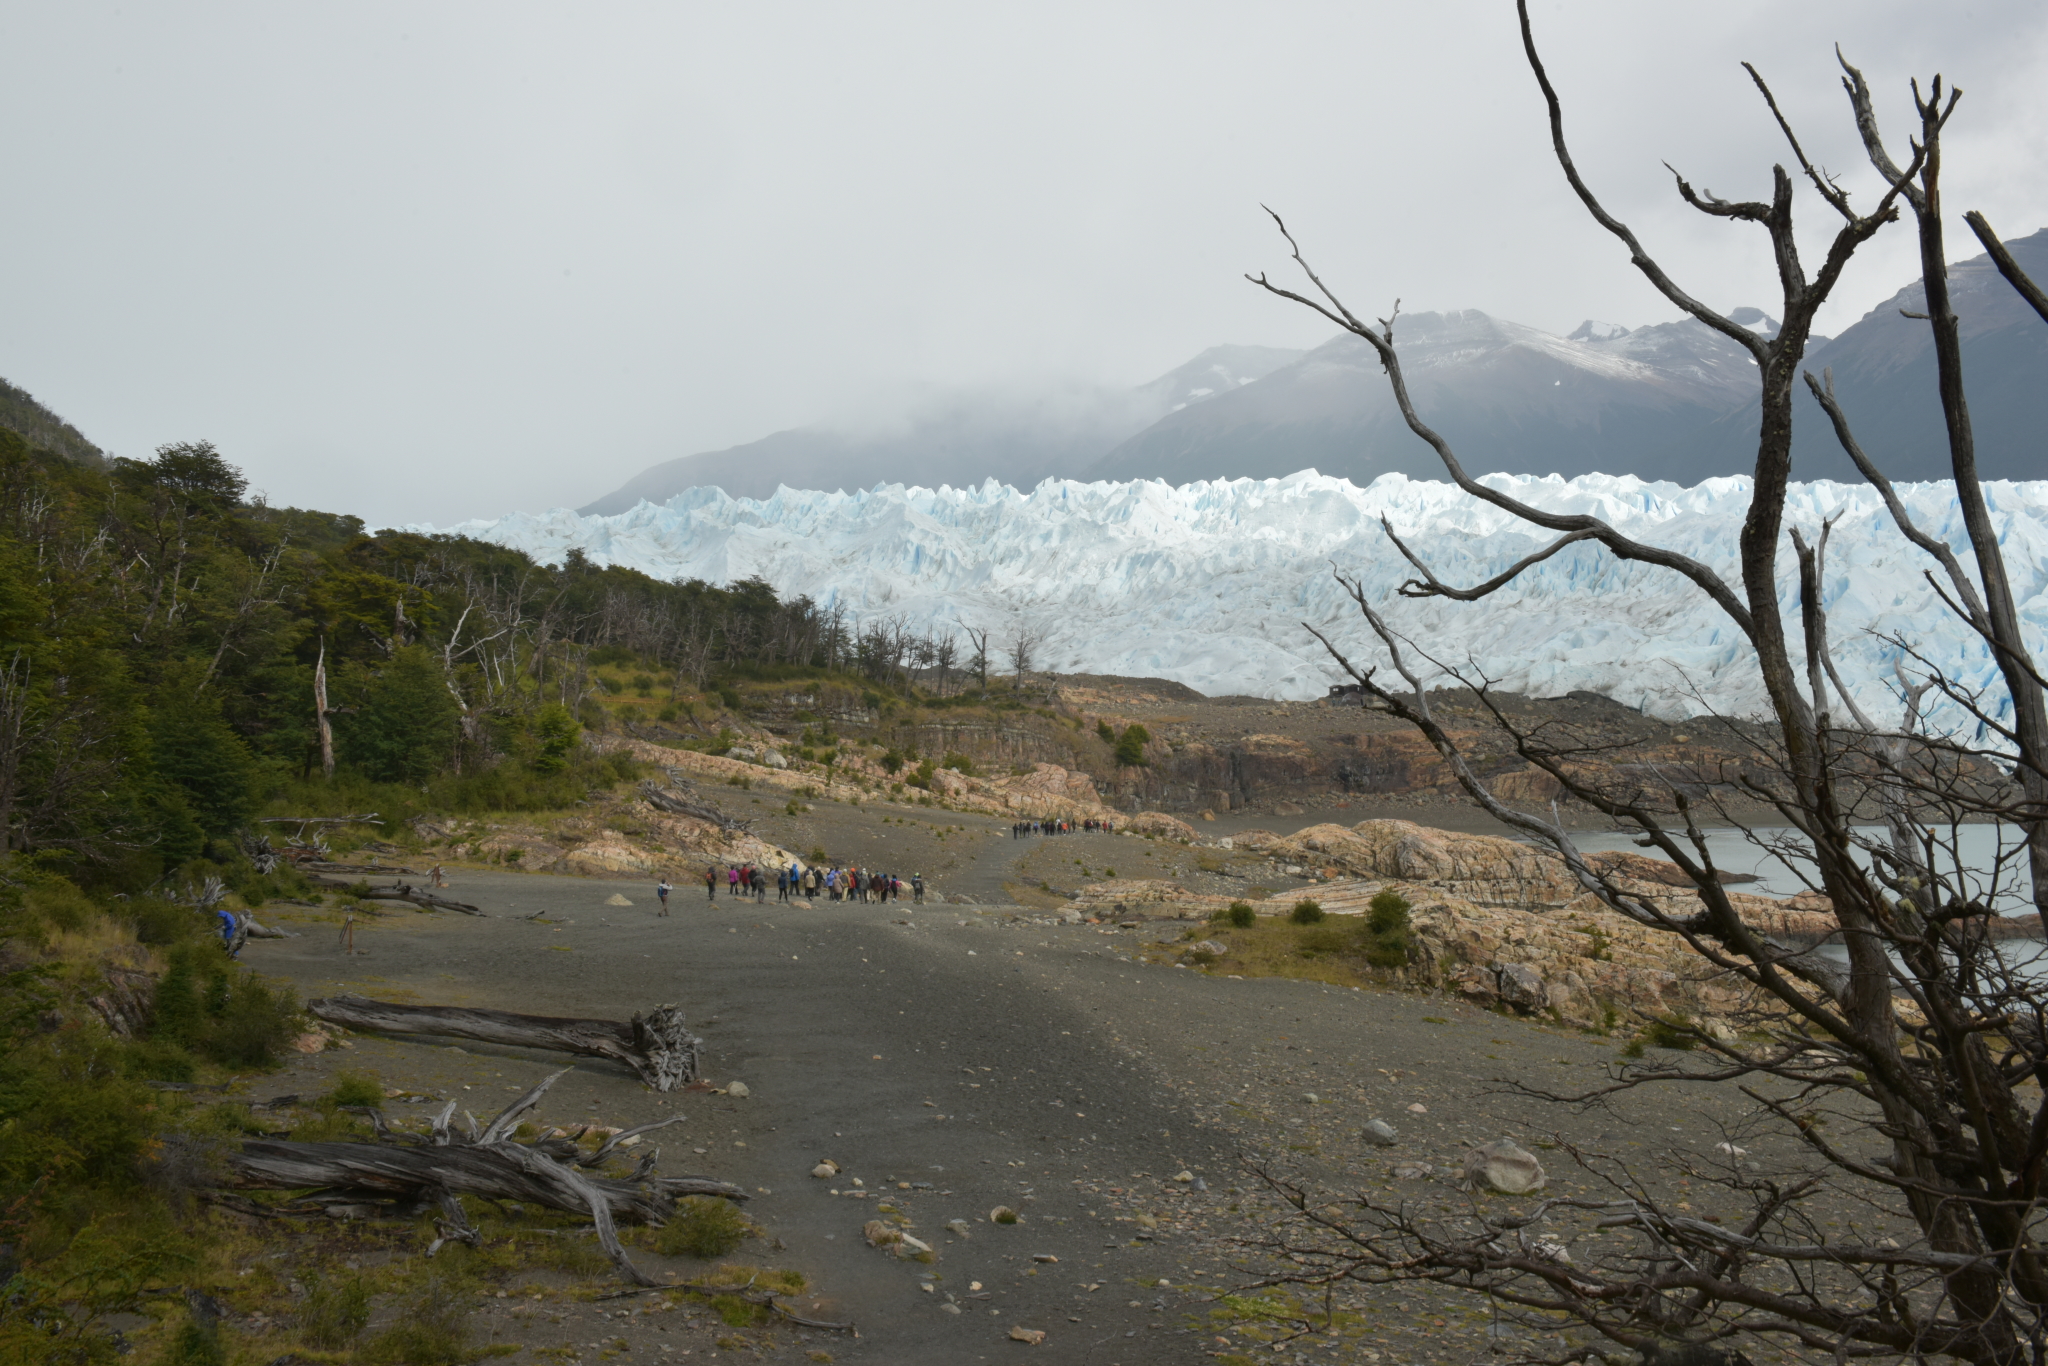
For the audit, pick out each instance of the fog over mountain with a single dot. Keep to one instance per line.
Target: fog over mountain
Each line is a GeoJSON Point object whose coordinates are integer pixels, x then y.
{"type": "Point", "coordinates": [958, 439]}
{"type": "Point", "coordinates": [1671, 401]}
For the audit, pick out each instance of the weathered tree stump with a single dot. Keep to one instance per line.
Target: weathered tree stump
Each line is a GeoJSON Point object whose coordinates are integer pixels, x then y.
{"type": "Point", "coordinates": [656, 1045]}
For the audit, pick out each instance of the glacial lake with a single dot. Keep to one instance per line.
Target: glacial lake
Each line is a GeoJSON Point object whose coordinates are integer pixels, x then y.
{"type": "Point", "coordinates": [1734, 851]}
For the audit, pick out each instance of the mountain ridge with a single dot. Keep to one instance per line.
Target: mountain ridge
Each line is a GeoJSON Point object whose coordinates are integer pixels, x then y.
{"type": "Point", "coordinates": [1666, 401]}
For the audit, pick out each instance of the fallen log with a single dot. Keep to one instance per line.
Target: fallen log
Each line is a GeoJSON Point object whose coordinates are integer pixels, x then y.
{"type": "Point", "coordinates": [679, 800]}
{"type": "Point", "coordinates": [441, 1168]}
{"type": "Point", "coordinates": [398, 892]}
{"type": "Point", "coordinates": [656, 1045]}
{"type": "Point", "coordinates": [326, 866]}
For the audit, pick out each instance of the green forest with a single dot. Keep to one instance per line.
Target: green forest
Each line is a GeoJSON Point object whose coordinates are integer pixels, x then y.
{"type": "Point", "coordinates": [178, 661]}
{"type": "Point", "coordinates": [175, 656]}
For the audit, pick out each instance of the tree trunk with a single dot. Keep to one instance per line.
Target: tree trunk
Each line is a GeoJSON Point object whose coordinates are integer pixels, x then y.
{"type": "Point", "coordinates": [657, 1046]}
{"type": "Point", "coordinates": [320, 714]}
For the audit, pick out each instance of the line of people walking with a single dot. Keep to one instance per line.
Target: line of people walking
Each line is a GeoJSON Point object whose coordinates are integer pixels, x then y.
{"type": "Point", "coordinates": [1026, 829]}
{"type": "Point", "coordinates": [797, 881]}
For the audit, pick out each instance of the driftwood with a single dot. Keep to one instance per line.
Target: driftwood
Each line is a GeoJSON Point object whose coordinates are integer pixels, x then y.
{"type": "Point", "coordinates": [438, 1169]}
{"type": "Point", "coordinates": [325, 866]}
{"type": "Point", "coordinates": [655, 1045]}
{"type": "Point", "coordinates": [680, 799]}
{"type": "Point", "coordinates": [400, 891]}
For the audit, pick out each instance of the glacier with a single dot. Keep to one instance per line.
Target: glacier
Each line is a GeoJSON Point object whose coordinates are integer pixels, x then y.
{"type": "Point", "coordinates": [1208, 583]}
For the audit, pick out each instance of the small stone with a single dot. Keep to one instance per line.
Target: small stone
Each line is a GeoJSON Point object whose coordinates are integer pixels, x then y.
{"type": "Point", "coordinates": [958, 1228]}
{"type": "Point", "coordinates": [880, 1234]}
{"type": "Point", "coordinates": [1412, 1171]}
{"type": "Point", "coordinates": [1311, 1098]}
{"type": "Point", "coordinates": [825, 1169]}
{"type": "Point", "coordinates": [1031, 1336]}
{"type": "Point", "coordinates": [1043, 1257]}
{"type": "Point", "coordinates": [949, 1308]}
{"type": "Point", "coordinates": [616, 900]}
{"type": "Point", "coordinates": [914, 1244]}
{"type": "Point", "coordinates": [1418, 1108]}
{"type": "Point", "coordinates": [737, 1089]}
{"type": "Point", "coordinates": [1379, 1134]}
{"type": "Point", "coordinates": [1002, 1214]}
{"type": "Point", "coordinates": [1184, 1176]}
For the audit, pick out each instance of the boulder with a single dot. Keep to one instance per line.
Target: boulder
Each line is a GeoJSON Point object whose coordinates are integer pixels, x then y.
{"type": "Point", "coordinates": [1505, 1167]}
{"type": "Point", "coordinates": [1521, 986]}
{"type": "Point", "coordinates": [773, 759]}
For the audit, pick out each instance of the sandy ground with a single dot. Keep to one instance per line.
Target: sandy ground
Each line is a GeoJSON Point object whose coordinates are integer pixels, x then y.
{"type": "Point", "coordinates": [959, 1057]}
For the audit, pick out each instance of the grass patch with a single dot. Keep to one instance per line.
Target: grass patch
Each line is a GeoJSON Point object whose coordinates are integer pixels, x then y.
{"type": "Point", "coordinates": [705, 1227]}
{"type": "Point", "coordinates": [356, 1088]}
{"type": "Point", "coordinates": [1311, 945]}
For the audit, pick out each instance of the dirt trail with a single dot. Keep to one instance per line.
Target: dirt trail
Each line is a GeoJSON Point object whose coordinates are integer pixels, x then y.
{"type": "Point", "coordinates": [985, 1060]}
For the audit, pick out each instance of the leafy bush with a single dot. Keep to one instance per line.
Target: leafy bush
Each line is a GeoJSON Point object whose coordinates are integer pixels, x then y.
{"type": "Point", "coordinates": [959, 763]}
{"type": "Point", "coordinates": [1130, 746]}
{"type": "Point", "coordinates": [1306, 913]}
{"type": "Point", "coordinates": [211, 1007]}
{"type": "Point", "coordinates": [555, 733]}
{"type": "Point", "coordinates": [1388, 934]}
{"type": "Point", "coordinates": [1241, 915]}
{"type": "Point", "coordinates": [356, 1088]}
{"type": "Point", "coordinates": [703, 1226]}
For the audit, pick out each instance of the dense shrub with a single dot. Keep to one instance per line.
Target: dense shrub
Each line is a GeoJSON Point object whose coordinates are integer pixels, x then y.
{"type": "Point", "coordinates": [1240, 914]}
{"type": "Point", "coordinates": [219, 1011]}
{"type": "Point", "coordinates": [1306, 913]}
{"type": "Point", "coordinates": [1130, 746]}
{"type": "Point", "coordinates": [1388, 936]}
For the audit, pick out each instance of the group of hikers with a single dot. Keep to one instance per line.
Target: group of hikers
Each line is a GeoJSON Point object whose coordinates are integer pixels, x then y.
{"type": "Point", "coordinates": [794, 881]}
{"type": "Point", "coordinates": [1026, 829]}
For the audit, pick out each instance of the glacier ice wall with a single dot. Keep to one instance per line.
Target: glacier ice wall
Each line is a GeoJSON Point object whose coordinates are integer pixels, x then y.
{"type": "Point", "coordinates": [1208, 583]}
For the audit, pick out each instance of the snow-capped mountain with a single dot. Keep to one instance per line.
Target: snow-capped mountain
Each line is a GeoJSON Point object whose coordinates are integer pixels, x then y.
{"type": "Point", "coordinates": [1508, 397]}
{"type": "Point", "coordinates": [1208, 583]}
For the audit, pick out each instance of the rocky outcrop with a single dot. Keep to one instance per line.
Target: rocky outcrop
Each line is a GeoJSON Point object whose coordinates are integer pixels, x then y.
{"type": "Point", "coordinates": [1484, 869]}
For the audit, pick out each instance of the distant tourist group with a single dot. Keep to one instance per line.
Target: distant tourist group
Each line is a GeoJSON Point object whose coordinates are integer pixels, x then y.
{"type": "Point", "coordinates": [839, 884]}
{"type": "Point", "coordinates": [1026, 829]}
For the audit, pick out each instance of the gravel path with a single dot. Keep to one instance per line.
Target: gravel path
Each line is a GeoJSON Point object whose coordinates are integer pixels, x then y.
{"type": "Point", "coordinates": [957, 1058]}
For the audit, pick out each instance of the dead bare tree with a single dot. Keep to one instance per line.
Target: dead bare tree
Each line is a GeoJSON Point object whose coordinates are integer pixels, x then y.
{"type": "Point", "coordinates": [1932, 1034]}
{"type": "Point", "coordinates": [1023, 652]}
{"type": "Point", "coordinates": [977, 662]}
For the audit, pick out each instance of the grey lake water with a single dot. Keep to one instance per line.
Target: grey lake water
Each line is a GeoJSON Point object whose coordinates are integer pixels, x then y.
{"type": "Point", "coordinates": [1765, 854]}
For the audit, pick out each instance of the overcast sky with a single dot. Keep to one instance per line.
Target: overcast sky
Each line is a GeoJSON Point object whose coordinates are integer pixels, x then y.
{"type": "Point", "coordinates": [423, 262]}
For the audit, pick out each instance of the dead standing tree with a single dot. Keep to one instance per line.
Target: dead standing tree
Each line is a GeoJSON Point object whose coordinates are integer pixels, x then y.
{"type": "Point", "coordinates": [1931, 1039]}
